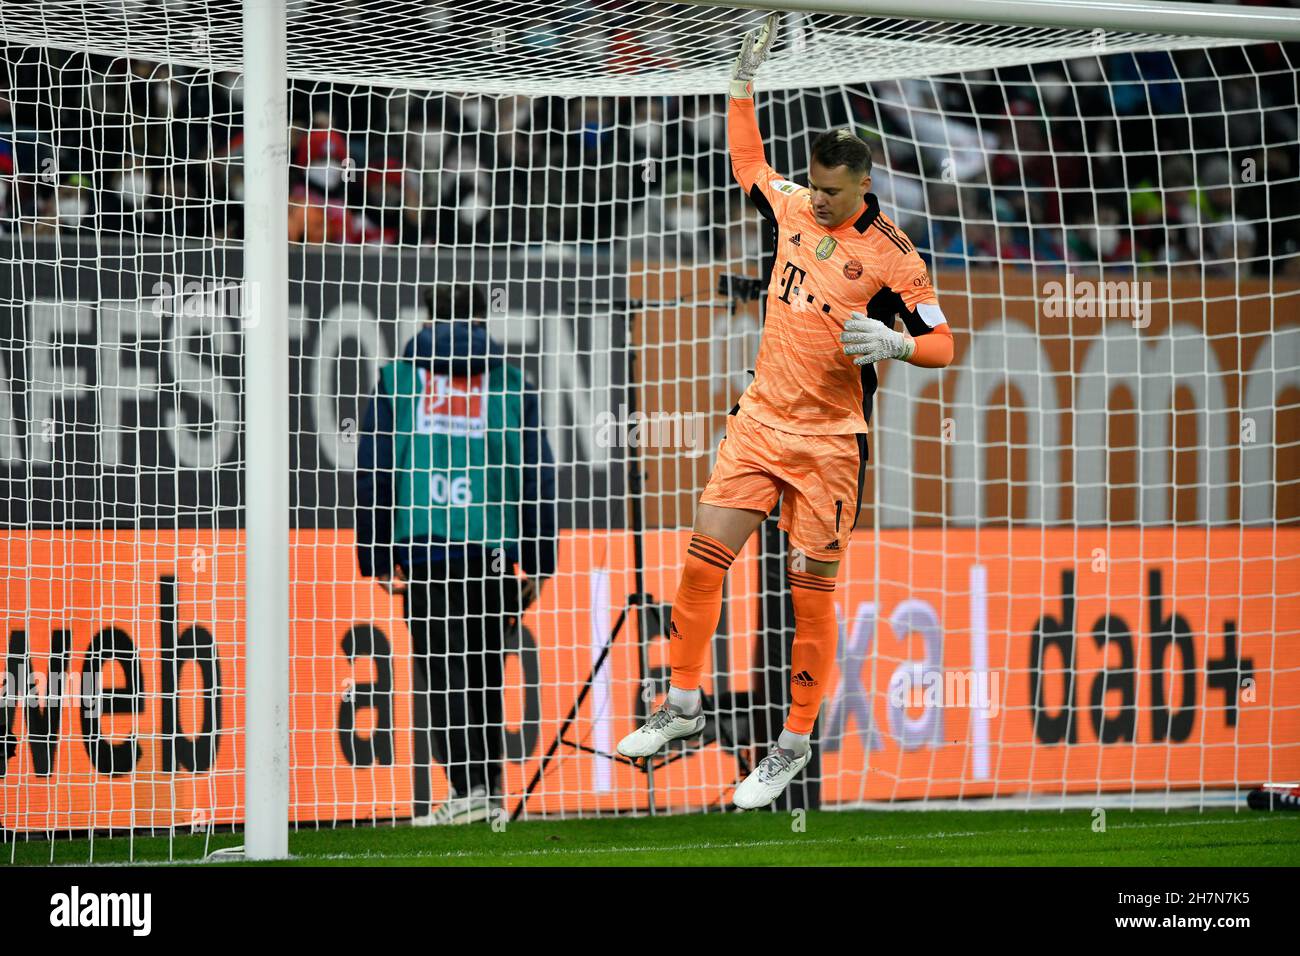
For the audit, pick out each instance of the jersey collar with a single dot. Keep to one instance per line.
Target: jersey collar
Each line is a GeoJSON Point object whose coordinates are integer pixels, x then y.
{"type": "Point", "coordinates": [870, 212]}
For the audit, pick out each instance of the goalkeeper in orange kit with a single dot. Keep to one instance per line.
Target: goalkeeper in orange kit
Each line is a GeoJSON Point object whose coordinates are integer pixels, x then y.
{"type": "Point", "coordinates": [799, 432]}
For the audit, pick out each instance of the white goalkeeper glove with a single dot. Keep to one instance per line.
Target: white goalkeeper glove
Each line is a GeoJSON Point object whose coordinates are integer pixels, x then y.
{"type": "Point", "coordinates": [870, 340]}
{"type": "Point", "coordinates": [753, 51]}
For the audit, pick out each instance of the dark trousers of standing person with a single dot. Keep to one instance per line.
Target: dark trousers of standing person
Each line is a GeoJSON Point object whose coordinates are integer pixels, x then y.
{"type": "Point", "coordinates": [459, 613]}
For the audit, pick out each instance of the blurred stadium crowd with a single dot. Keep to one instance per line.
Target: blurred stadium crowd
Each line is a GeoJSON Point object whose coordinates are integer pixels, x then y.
{"type": "Point", "coordinates": [1157, 159]}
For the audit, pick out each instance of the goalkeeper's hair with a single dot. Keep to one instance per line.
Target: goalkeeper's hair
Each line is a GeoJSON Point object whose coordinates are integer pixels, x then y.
{"type": "Point", "coordinates": [840, 147]}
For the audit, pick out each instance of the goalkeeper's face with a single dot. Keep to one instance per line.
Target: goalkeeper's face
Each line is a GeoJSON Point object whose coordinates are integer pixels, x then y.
{"type": "Point", "coordinates": [837, 192]}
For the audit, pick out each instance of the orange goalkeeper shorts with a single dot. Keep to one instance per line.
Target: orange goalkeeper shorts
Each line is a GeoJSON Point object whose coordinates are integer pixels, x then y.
{"type": "Point", "coordinates": [820, 477]}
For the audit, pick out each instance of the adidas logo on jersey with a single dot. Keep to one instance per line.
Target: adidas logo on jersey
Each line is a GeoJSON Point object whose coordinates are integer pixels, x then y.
{"type": "Point", "coordinates": [834, 545]}
{"type": "Point", "coordinates": [794, 240]}
{"type": "Point", "coordinates": [804, 679]}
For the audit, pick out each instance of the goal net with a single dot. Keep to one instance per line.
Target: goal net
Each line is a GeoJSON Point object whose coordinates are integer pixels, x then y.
{"type": "Point", "coordinates": [1075, 575]}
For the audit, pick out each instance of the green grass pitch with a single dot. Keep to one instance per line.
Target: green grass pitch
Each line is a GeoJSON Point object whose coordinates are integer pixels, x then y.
{"type": "Point", "coordinates": [821, 838]}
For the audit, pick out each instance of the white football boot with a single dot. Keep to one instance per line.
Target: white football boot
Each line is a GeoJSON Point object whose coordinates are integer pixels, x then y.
{"type": "Point", "coordinates": [770, 778]}
{"type": "Point", "coordinates": [664, 725]}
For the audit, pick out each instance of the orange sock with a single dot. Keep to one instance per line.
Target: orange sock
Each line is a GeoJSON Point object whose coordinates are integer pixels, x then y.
{"type": "Point", "coordinates": [696, 608]}
{"type": "Point", "coordinates": [813, 654]}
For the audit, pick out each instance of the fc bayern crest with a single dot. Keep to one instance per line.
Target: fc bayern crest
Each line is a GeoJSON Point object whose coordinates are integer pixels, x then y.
{"type": "Point", "coordinates": [852, 269]}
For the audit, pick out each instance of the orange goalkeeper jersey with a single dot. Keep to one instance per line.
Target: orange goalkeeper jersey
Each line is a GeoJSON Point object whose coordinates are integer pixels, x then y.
{"type": "Point", "coordinates": [803, 382]}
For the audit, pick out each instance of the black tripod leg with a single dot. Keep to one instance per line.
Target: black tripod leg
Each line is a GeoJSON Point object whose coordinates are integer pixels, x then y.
{"type": "Point", "coordinates": [572, 715]}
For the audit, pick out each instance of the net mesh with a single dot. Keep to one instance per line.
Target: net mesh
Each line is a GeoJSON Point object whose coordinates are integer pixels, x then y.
{"type": "Point", "coordinates": [1085, 527]}
{"type": "Point", "coordinates": [570, 48]}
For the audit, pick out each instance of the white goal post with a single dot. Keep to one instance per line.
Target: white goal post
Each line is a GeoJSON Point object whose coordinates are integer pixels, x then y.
{"type": "Point", "coordinates": [266, 424]}
{"type": "Point", "coordinates": [1086, 529]}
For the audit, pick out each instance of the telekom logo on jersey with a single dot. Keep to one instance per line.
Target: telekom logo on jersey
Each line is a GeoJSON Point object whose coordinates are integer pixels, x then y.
{"type": "Point", "coordinates": [452, 404]}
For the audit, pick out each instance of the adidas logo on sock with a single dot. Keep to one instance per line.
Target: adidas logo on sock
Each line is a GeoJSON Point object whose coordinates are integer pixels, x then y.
{"type": "Point", "coordinates": [804, 679]}
{"type": "Point", "coordinates": [672, 628]}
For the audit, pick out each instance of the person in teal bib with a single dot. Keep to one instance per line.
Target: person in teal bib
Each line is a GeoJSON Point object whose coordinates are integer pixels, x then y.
{"type": "Point", "coordinates": [455, 496]}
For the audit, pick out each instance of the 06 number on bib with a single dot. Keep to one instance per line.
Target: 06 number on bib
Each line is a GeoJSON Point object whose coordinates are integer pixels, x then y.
{"type": "Point", "coordinates": [450, 491]}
